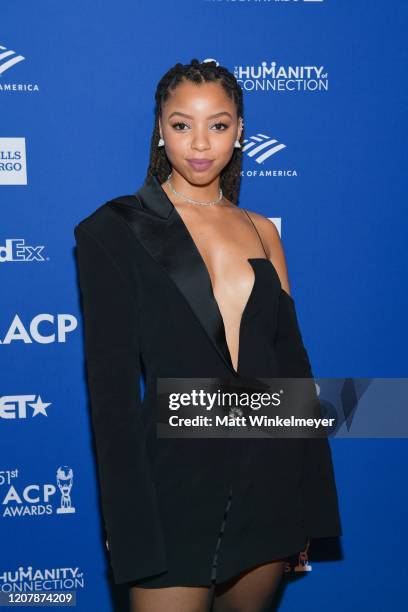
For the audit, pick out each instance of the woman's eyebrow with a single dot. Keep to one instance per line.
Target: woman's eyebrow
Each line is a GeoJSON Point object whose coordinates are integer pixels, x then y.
{"type": "Point", "coordinates": [210, 117]}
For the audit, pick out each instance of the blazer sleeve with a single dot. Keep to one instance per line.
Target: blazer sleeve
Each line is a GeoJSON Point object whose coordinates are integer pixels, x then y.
{"type": "Point", "coordinates": [128, 496]}
{"type": "Point", "coordinates": [293, 360]}
{"type": "Point", "coordinates": [319, 492]}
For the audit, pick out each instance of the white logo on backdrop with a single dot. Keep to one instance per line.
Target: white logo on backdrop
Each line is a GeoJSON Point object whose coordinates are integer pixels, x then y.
{"type": "Point", "coordinates": [261, 147]}
{"type": "Point", "coordinates": [15, 249]}
{"type": "Point", "coordinates": [36, 499]}
{"type": "Point", "coordinates": [63, 324]}
{"type": "Point", "coordinates": [65, 478]}
{"type": "Point", "coordinates": [270, 76]}
{"type": "Point", "coordinates": [16, 406]}
{"type": "Point", "coordinates": [34, 580]}
{"type": "Point", "coordinates": [8, 58]}
{"type": "Point", "coordinates": [13, 164]}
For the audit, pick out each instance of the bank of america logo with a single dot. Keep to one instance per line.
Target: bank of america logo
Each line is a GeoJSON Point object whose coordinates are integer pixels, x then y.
{"type": "Point", "coordinates": [8, 59]}
{"type": "Point", "coordinates": [261, 147]}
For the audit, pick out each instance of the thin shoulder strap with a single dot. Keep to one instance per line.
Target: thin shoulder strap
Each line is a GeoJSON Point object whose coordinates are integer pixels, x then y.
{"type": "Point", "coordinates": [249, 217]}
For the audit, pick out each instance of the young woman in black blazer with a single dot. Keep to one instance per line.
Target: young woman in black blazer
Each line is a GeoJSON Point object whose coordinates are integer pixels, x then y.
{"type": "Point", "coordinates": [177, 281]}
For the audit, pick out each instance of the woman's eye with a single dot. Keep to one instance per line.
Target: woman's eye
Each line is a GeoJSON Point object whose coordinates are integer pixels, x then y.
{"type": "Point", "coordinates": [224, 126]}
{"type": "Point", "coordinates": [178, 123]}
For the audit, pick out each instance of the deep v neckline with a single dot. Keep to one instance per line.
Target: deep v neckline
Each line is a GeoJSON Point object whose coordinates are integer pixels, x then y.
{"type": "Point", "coordinates": [210, 283]}
{"type": "Point", "coordinates": [160, 229]}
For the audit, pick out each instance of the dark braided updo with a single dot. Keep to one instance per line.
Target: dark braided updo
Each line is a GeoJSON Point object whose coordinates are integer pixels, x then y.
{"type": "Point", "coordinates": [197, 72]}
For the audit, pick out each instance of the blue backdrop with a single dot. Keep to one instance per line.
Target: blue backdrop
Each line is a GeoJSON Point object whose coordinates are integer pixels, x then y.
{"type": "Point", "coordinates": [325, 119]}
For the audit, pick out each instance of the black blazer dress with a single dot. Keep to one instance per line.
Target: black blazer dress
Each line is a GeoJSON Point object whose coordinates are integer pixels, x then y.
{"type": "Point", "coordinates": [149, 309]}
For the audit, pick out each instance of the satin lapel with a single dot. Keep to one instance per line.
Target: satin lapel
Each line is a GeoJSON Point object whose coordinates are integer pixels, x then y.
{"type": "Point", "coordinates": [160, 229]}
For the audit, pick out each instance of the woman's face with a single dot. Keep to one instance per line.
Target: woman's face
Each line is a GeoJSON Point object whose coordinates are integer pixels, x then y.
{"type": "Point", "coordinates": [199, 122]}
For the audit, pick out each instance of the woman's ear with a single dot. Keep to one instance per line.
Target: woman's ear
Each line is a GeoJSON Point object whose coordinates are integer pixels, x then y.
{"type": "Point", "coordinates": [241, 127]}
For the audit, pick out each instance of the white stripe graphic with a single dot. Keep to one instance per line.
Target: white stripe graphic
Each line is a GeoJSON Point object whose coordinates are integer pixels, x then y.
{"type": "Point", "coordinates": [253, 141]}
{"type": "Point", "coordinates": [272, 151]}
{"type": "Point", "coordinates": [266, 143]}
{"type": "Point", "coordinates": [11, 62]}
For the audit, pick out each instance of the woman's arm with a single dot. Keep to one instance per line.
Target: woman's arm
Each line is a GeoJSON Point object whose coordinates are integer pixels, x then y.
{"type": "Point", "coordinates": [129, 504]}
{"type": "Point", "coordinates": [318, 487]}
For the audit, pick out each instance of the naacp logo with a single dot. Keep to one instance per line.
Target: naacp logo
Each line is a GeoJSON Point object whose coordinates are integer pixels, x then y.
{"type": "Point", "coordinates": [15, 249]}
{"type": "Point", "coordinates": [62, 324]}
{"type": "Point", "coordinates": [36, 499]}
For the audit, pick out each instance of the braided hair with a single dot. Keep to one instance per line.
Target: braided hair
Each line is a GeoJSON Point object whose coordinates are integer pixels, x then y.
{"type": "Point", "coordinates": [197, 72]}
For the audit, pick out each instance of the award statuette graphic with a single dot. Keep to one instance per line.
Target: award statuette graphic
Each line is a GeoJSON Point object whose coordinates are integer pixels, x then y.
{"type": "Point", "coordinates": [303, 561]}
{"type": "Point", "coordinates": [65, 478]}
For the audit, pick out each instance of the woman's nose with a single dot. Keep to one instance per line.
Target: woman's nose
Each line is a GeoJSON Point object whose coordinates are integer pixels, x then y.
{"type": "Point", "coordinates": [200, 140]}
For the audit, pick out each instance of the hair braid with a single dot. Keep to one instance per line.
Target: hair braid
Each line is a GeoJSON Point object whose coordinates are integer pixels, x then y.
{"type": "Point", "coordinates": [197, 72]}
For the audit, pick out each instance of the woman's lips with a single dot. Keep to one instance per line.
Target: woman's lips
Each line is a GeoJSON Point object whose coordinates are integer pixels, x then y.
{"type": "Point", "coordinates": [200, 165]}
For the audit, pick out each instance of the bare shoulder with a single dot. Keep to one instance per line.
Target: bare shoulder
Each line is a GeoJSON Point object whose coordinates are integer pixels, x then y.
{"type": "Point", "coordinates": [273, 245]}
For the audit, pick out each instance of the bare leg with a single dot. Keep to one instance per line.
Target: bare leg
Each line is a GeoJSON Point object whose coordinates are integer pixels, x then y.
{"type": "Point", "coordinates": [251, 591]}
{"type": "Point", "coordinates": [170, 599]}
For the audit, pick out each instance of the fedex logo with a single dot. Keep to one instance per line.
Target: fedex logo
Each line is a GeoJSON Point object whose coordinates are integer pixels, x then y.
{"type": "Point", "coordinates": [16, 250]}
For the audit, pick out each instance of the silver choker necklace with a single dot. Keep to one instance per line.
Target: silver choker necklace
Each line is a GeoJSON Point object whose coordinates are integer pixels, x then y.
{"type": "Point", "coordinates": [191, 199]}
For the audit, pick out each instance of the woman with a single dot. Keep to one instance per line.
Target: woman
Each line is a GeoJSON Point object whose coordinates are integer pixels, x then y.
{"type": "Point", "coordinates": [179, 282]}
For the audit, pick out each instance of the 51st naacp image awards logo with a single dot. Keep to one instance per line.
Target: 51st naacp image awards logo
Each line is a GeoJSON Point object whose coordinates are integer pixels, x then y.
{"type": "Point", "coordinates": [11, 63]}
{"type": "Point", "coordinates": [19, 498]}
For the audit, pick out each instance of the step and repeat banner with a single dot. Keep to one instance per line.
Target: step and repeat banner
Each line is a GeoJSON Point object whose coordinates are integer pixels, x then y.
{"type": "Point", "coordinates": [324, 158]}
